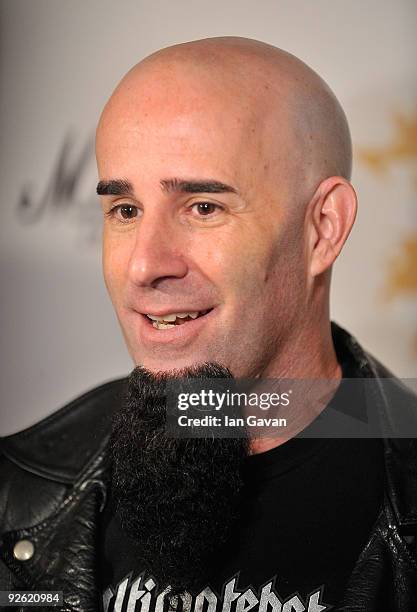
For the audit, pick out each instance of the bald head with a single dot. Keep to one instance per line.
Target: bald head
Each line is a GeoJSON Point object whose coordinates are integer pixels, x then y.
{"type": "Point", "coordinates": [278, 102]}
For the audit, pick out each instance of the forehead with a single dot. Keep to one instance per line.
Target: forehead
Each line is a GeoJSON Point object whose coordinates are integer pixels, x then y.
{"type": "Point", "coordinates": [173, 126]}
{"type": "Point", "coordinates": [178, 141]}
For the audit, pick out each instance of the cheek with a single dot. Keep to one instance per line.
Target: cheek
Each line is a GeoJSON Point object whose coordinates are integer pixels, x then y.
{"type": "Point", "coordinates": [235, 263]}
{"type": "Point", "coordinates": [285, 279]}
{"type": "Point", "coordinates": [277, 275]}
{"type": "Point", "coordinates": [115, 267]}
{"type": "Point", "coordinates": [224, 261]}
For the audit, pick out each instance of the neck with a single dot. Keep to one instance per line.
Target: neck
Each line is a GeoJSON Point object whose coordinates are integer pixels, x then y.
{"type": "Point", "coordinates": [308, 357]}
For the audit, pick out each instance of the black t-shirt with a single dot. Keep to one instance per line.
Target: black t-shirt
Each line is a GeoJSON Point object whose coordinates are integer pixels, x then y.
{"type": "Point", "coordinates": [307, 509]}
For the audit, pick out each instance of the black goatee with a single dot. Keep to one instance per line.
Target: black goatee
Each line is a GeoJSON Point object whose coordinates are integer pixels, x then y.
{"type": "Point", "coordinates": [176, 499]}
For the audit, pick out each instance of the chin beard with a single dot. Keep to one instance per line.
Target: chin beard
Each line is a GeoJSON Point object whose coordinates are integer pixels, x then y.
{"type": "Point", "coordinates": [176, 499]}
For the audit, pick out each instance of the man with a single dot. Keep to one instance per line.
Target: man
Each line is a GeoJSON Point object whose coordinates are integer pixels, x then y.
{"type": "Point", "coordinates": [224, 169]}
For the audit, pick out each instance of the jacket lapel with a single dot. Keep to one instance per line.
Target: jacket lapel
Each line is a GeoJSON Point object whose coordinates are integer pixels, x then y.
{"type": "Point", "coordinates": [66, 548]}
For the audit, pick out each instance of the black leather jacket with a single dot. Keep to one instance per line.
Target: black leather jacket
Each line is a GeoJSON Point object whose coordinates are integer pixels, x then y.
{"type": "Point", "coordinates": [53, 488]}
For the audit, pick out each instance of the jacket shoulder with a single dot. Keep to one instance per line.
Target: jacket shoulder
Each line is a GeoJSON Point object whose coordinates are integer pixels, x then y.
{"type": "Point", "coordinates": [60, 446]}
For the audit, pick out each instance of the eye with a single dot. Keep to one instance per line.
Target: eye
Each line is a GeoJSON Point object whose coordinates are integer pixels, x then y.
{"type": "Point", "coordinates": [204, 209]}
{"type": "Point", "coordinates": [123, 212]}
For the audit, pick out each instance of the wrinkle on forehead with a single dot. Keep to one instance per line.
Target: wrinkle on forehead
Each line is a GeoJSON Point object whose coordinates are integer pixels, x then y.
{"type": "Point", "coordinates": [287, 110]}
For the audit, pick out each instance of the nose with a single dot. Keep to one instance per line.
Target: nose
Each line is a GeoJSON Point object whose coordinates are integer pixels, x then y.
{"type": "Point", "coordinates": [157, 253]}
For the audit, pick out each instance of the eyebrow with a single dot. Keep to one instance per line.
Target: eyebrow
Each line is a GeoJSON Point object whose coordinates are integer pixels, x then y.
{"type": "Point", "coordinates": [117, 187]}
{"type": "Point", "coordinates": [122, 187]}
{"type": "Point", "coordinates": [197, 186]}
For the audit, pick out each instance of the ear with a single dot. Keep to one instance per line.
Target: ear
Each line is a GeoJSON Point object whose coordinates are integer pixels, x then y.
{"type": "Point", "coordinates": [332, 212]}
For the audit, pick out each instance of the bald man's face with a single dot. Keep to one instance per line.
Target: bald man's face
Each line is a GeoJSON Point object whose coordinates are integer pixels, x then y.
{"type": "Point", "coordinates": [199, 223]}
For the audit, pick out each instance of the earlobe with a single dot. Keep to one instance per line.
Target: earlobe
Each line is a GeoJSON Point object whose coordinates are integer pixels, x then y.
{"type": "Point", "coordinates": [333, 213]}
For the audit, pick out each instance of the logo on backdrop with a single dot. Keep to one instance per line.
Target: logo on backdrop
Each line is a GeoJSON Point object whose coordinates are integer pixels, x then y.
{"type": "Point", "coordinates": [61, 196]}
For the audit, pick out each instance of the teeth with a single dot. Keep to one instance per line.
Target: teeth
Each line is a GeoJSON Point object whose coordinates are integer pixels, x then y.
{"type": "Point", "coordinates": [159, 325]}
{"type": "Point", "coordinates": [170, 318]}
{"type": "Point", "coordinates": [167, 317]}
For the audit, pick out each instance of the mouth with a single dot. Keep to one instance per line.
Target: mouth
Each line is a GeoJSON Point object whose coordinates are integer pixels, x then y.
{"type": "Point", "coordinates": [173, 319]}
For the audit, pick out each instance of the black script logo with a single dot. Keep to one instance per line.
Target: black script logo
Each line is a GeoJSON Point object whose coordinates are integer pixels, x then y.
{"type": "Point", "coordinates": [61, 195]}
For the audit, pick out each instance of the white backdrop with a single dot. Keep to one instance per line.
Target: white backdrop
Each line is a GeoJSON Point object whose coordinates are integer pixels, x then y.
{"type": "Point", "coordinates": [59, 61]}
